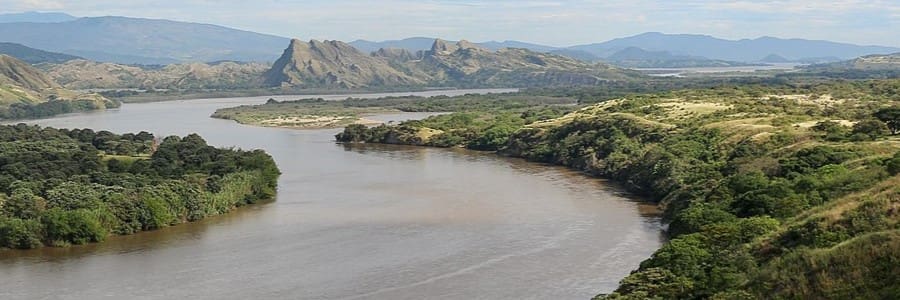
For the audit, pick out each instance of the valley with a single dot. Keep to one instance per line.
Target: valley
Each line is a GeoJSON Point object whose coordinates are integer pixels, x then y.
{"type": "Point", "coordinates": [449, 150]}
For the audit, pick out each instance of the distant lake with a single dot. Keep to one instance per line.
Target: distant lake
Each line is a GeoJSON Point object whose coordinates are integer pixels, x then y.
{"type": "Point", "coordinates": [356, 222]}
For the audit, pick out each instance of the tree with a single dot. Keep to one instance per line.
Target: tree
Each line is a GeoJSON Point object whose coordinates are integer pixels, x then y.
{"type": "Point", "coordinates": [869, 129]}
{"type": "Point", "coordinates": [24, 204]}
{"type": "Point", "coordinates": [893, 164]}
{"type": "Point", "coordinates": [891, 117]}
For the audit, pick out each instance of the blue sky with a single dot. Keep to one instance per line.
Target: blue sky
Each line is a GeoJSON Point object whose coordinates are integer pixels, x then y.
{"type": "Point", "coordinates": [558, 23]}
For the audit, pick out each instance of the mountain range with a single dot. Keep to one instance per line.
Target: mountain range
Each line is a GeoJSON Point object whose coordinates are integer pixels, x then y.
{"type": "Point", "coordinates": [675, 50]}
{"type": "Point", "coordinates": [337, 64]}
{"type": "Point", "coordinates": [151, 41]}
{"type": "Point", "coordinates": [746, 50]}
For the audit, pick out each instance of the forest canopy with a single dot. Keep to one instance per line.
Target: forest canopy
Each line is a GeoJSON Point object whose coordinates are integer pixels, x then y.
{"type": "Point", "coordinates": [60, 187]}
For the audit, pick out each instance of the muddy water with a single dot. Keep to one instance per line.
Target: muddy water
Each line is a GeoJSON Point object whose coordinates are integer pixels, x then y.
{"type": "Point", "coordinates": [356, 222]}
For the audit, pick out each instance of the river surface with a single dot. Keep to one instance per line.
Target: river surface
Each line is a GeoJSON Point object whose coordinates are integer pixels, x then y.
{"type": "Point", "coordinates": [355, 222]}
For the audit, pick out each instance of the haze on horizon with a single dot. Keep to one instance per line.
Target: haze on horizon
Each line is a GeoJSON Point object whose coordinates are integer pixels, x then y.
{"type": "Point", "coordinates": [550, 22]}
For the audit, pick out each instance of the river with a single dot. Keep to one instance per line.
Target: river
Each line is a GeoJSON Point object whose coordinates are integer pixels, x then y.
{"type": "Point", "coordinates": [355, 222]}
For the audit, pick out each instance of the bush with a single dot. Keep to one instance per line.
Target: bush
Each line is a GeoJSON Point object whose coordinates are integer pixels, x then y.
{"type": "Point", "coordinates": [72, 227]}
{"type": "Point", "coordinates": [19, 234]}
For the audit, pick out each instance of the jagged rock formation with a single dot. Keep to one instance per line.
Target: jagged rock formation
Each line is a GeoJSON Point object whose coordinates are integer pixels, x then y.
{"type": "Point", "coordinates": [336, 64]}
{"type": "Point", "coordinates": [333, 64]}
{"type": "Point", "coordinates": [396, 55]}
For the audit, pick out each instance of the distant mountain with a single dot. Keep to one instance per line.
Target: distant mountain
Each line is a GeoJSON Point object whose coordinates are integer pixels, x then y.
{"type": "Point", "coordinates": [494, 45]}
{"type": "Point", "coordinates": [774, 58]}
{"type": "Point", "coordinates": [576, 54]}
{"type": "Point", "coordinates": [33, 56]}
{"type": "Point", "coordinates": [146, 41]}
{"type": "Point", "coordinates": [336, 64]}
{"type": "Point", "coordinates": [423, 44]}
{"type": "Point", "coordinates": [745, 50]}
{"type": "Point", "coordinates": [36, 17]}
{"type": "Point", "coordinates": [634, 57]}
{"type": "Point", "coordinates": [412, 44]}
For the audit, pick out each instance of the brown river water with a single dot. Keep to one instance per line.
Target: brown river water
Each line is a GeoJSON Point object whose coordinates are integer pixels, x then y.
{"type": "Point", "coordinates": [356, 222]}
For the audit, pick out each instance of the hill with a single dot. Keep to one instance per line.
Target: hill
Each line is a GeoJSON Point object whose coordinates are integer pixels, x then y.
{"type": "Point", "coordinates": [336, 64]}
{"type": "Point", "coordinates": [33, 56]}
{"type": "Point", "coordinates": [865, 63]}
{"type": "Point", "coordinates": [26, 92]}
{"type": "Point", "coordinates": [144, 41]}
{"type": "Point", "coordinates": [746, 50]}
{"type": "Point", "coordinates": [84, 74]}
{"type": "Point", "coordinates": [21, 83]}
{"type": "Point", "coordinates": [634, 57]}
{"type": "Point", "coordinates": [769, 191]}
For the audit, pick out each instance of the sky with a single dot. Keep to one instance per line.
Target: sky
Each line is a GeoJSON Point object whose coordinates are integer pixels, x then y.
{"type": "Point", "coordinates": [550, 22]}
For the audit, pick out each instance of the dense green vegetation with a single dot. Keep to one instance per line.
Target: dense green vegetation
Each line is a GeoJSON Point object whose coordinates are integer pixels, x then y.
{"type": "Point", "coordinates": [51, 108]}
{"type": "Point", "coordinates": [61, 187]}
{"type": "Point", "coordinates": [770, 191]}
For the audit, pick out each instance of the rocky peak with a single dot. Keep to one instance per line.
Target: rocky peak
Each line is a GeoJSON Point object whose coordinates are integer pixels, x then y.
{"type": "Point", "coordinates": [464, 44]}
{"type": "Point", "coordinates": [332, 63]}
{"type": "Point", "coordinates": [443, 47]}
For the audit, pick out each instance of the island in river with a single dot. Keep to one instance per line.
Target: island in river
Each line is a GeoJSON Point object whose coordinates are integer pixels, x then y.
{"type": "Point", "coordinates": [60, 187]}
{"type": "Point", "coordinates": [317, 113]}
{"type": "Point", "coordinates": [356, 221]}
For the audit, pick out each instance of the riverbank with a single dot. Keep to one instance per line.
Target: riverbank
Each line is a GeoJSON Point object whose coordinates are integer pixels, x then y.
{"type": "Point", "coordinates": [428, 221]}
{"type": "Point", "coordinates": [740, 179]}
{"type": "Point", "coordinates": [319, 113]}
{"type": "Point", "coordinates": [133, 96]}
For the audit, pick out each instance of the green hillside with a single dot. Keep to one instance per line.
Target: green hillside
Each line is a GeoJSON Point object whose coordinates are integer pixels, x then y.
{"type": "Point", "coordinates": [769, 191]}
{"type": "Point", "coordinates": [26, 92]}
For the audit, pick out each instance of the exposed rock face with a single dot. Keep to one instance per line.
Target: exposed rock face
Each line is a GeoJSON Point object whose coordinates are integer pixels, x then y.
{"type": "Point", "coordinates": [442, 47]}
{"type": "Point", "coordinates": [396, 54]}
{"type": "Point", "coordinates": [333, 64]}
